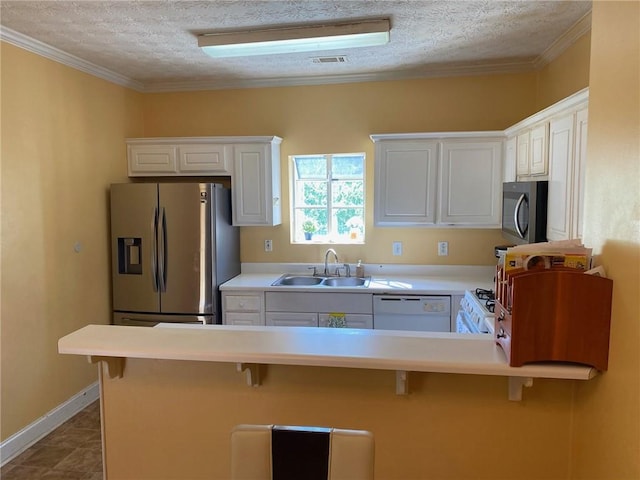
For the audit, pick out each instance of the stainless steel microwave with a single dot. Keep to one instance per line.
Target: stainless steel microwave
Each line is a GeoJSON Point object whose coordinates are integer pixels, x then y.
{"type": "Point", "coordinates": [524, 211]}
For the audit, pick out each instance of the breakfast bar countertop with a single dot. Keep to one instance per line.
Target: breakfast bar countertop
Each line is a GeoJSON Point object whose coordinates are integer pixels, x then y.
{"type": "Point", "coordinates": [304, 346]}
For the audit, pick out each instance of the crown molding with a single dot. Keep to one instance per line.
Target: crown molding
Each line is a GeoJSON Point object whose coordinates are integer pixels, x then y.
{"type": "Point", "coordinates": [52, 53]}
{"type": "Point", "coordinates": [430, 72]}
{"type": "Point", "coordinates": [565, 40]}
{"type": "Point", "coordinates": [441, 70]}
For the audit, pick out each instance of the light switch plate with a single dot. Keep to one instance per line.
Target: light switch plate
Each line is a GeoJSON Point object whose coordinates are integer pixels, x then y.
{"type": "Point", "coordinates": [397, 248]}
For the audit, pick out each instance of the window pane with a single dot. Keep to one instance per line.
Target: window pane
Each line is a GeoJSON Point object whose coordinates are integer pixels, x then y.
{"type": "Point", "coordinates": [318, 216]}
{"type": "Point", "coordinates": [311, 194]}
{"type": "Point", "coordinates": [347, 166]}
{"type": "Point", "coordinates": [347, 193]}
{"type": "Point", "coordinates": [348, 220]}
{"type": "Point", "coordinates": [310, 167]}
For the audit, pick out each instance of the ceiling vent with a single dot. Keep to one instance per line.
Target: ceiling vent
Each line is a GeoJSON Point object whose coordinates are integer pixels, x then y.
{"type": "Point", "coordinates": [336, 59]}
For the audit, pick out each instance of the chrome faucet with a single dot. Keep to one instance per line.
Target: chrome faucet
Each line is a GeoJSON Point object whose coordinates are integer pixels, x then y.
{"type": "Point", "coordinates": [326, 257]}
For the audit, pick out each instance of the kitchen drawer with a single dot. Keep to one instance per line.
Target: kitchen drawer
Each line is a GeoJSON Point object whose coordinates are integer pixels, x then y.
{"type": "Point", "coordinates": [319, 302]}
{"type": "Point", "coordinates": [237, 318]}
{"type": "Point", "coordinates": [244, 303]}
{"type": "Point", "coordinates": [291, 319]}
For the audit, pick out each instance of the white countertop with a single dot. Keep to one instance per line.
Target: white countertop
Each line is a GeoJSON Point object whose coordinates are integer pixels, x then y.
{"type": "Point", "coordinates": [329, 347]}
{"type": "Point", "coordinates": [420, 280]}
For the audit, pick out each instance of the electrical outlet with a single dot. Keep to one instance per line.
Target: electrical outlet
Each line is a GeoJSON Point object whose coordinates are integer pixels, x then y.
{"type": "Point", "coordinates": [443, 249]}
{"type": "Point", "coordinates": [268, 246]}
{"type": "Point", "coordinates": [397, 248]}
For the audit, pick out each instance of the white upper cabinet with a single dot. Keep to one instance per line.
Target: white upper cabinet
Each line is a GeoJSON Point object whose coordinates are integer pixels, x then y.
{"type": "Point", "coordinates": [178, 156]}
{"type": "Point", "coordinates": [531, 150]}
{"type": "Point", "coordinates": [579, 167]}
{"type": "Point", "coordinates": [470, 183]}
{"type": "Point", "coordinates": [151, 160]}
{"type": "Point", "coordinates": [253, 163]}
{"type": "Point", "coordinates": [523, 161]}
{"type": "Point", "coordinates": [538, 164]}
{"type": "Point", "coordinates": [509, 164]}
{"type": "Point", "coordinates": [554, 143]}
{"type": "Point", "coordinates": [205, 159]}
{"type": "Point", "coordinates": [442, 179]}
{"type": "Point", "coordinates": [567, 156]}
{"type": "Point", "coordinates": [405, 182]}
{"type": "Point", "coordinates": [561, 135]}
{"type": "Point", "coordinates": [533, 137]}
{"type": "Point", "coordinates": [255, 184]}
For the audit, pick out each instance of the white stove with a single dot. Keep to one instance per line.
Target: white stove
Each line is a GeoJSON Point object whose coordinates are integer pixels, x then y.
{"type": "Point", "coordinates": [476, 312]}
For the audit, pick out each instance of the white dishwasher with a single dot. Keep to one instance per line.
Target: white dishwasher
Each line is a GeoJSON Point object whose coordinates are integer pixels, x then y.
{"type": "Point", "coordinates": [412, 312]}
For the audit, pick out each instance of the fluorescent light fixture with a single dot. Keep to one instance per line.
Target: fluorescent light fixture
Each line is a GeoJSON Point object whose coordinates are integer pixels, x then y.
{"type": "Point", "coordinates": [295, 39]}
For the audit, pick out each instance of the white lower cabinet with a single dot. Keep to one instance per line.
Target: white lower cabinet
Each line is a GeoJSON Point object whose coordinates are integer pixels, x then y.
{"type": "Point", "coordinates": [306, 309]}
{"type": "Point", "coordinates": [243, 308]}
{"type": "Point", "coordinates": [292, 319]}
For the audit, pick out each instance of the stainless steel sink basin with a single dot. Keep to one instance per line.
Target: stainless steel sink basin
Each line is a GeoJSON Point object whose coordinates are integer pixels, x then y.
{"type": "Point", "coordinates": [344, 282]}
{"type": "Point", "coordinates": [310, 281]}
{"type": "Point", "coordinates": [298, 280]}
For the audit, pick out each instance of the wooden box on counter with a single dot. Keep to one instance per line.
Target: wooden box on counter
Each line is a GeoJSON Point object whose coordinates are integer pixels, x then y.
{"type": "Point", "coordinates": [559, 315]}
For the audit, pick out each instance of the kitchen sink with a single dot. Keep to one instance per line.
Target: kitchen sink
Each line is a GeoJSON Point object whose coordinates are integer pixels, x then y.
{"type": "Point", "coordinates": [310, 281]}
{"type": "Point", "coordinates": [344, 282]}
{"type": "Point", "coordinates": [298, 280]}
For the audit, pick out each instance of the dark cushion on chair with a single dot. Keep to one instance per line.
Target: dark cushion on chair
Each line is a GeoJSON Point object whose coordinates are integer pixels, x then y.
{"type": "Point", "coordinates": [299, 453]}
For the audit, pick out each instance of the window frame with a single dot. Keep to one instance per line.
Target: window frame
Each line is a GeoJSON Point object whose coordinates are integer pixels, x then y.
{"type": "Point", "coordinates": [332, 236]}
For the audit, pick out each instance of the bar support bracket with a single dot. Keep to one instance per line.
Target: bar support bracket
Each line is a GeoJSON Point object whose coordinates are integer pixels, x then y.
{"type": "Point", "coordinates": [115, 365]}
{"type": "Point", "coordinates": [515, 387]}
{"type": "Point", "coordinates": [402, 382]}
{"type": "Point", "coordinates": [252, 373]}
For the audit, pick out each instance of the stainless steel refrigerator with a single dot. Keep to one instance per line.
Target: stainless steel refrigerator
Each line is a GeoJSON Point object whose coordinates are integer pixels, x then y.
{"type": "Point", "coordinates": [172, 245]}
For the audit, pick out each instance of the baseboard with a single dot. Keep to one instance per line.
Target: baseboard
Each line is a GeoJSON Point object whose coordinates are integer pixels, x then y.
{"type": "Point", "coordinates": [20, 441]}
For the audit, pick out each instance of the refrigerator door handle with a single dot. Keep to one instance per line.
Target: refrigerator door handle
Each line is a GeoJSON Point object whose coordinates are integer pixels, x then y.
{"type": "Point", "coordinates": [162, 253]}
{"type": "Point", "coordinates": [154, 251]}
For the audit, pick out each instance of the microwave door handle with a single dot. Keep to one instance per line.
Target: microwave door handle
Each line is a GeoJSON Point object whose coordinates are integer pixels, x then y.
{"type": "Point", "coordinates": [516, 214]}
{"type": "Point", "coordinates": [154, 251]}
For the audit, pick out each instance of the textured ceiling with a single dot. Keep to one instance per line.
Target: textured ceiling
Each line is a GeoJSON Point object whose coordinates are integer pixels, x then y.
{"type": "Point", "coordinates": [153, 44]}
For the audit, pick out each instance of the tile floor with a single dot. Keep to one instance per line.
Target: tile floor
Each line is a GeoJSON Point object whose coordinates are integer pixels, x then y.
{"type": "Point", "coordinates": [73, 451]}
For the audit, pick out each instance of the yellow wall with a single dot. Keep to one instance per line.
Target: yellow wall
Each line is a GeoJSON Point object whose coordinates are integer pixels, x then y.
{"type": "Point", "coordinates": [171, 420]}
{"type": "Point", "coordinates": [339, 119]}
{"type": "Point", "coordinates": [62, 144]}
{"type": "Point", "coordinates": [606, 439]}
{"type": "Point", "coordinates": [567, 73]}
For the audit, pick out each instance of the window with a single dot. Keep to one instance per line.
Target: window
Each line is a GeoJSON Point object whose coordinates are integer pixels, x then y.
{"type": "Point", "coordinates": [327, 197]}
